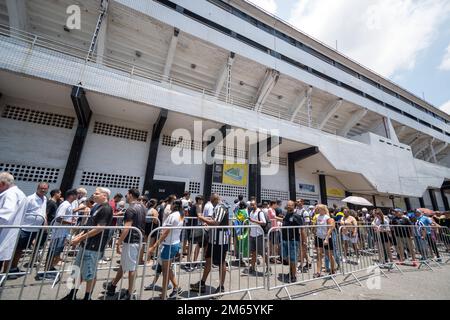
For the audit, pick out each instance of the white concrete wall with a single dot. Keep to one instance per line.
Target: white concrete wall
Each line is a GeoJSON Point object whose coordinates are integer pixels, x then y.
{"type": "Point", "coordinates": [439, 200]}
{"type": "Point", "coordinates": [333, 182]}
{"type": "Point", "coordinates": [383, 201]}
{"type": "Point", "coordinates": [415, 203]}
{"type": "Point", "coordinates": [26, 143]}
{"type": "Point", "coordinates": [166, 170]}
{"type": "Point", "coordinates": [107, 154]}
{"type": "Point", "coordinates": [278, 182]}
{"type": "Point", "coordinates": [409, 176]}
{"type": "Point", "coordinates": [427, 200]}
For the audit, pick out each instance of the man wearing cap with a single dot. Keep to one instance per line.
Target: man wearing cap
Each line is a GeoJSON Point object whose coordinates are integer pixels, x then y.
{"type": "Point", "coordinates": [401, 231]}
{"type": "Point", "coordinates": [423, 234]}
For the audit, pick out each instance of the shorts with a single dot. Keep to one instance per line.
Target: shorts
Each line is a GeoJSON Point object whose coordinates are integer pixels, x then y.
{"type": "Point", "coordinates": [56, 246]}
{"type": "Point", "coordinates": [201, 239]}
{"type": "Point", "coordinates": [353, 240]}
{"type": "Point", "coordinates": [257, 245]}
{"type": "Point", "coordinates": [87, 261]}
{"type": "Point", "coordinates": [275, 237]}
{"type": "Point", "coordinates": [25, 239]}
{"type": "Point", "coordinates": [149, 227]}
{"type": "Point", "coordinates": [319, 243]}
{"type": "Point", "coordinates": [170, 251]}
{"type": "Point", "coordinates": [218, 253]}
{"type": "Point", "coordinates": [129, 257]}
{"type": "Point", "coordinates": [290, 249]}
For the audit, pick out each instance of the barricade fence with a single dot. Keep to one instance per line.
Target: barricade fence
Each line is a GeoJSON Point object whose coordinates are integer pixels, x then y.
{"type": "Point", "coordinates": [217, 260]}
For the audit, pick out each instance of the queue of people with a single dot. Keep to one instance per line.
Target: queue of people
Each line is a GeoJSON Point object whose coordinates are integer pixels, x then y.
{"type": "Point", "coordinates": [197, 235]}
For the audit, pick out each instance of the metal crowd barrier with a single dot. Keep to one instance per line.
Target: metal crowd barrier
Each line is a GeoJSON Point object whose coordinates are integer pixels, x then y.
{"type": "Point", "coordinates": [190, 272]}
{"type": "Point", "coordinates": [305, 250]}
{"type": "Point", "coordinates": [363, 248]}
{"type": "Point", "coordinates": [369, 248]}
{"type": "Point", "coordinates": [47, 283]}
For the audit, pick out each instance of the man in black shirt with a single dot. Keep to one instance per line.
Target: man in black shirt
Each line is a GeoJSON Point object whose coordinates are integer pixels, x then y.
{"type": "Point", "coordinates": [402, 235]}
{"type": "Point", "coordinates": [93, 243]}
{"type": "Point", "coordinates": [291, 238]}
{"type": "Point", "coordinates": [52, 206]}
{"type": "Point", "coordinates": [129, 244]}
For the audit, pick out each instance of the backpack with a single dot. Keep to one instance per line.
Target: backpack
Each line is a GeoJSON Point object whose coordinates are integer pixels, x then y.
{"type": "Point", "coordinates": [268, 225]}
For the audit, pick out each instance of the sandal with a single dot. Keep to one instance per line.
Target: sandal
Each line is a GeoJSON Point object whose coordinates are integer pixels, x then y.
{"type": "Point", "coordinates": [317, 275]}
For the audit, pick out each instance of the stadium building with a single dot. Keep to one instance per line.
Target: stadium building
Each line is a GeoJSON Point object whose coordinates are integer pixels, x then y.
{"type": "Point", "coordinates": [91, 92]}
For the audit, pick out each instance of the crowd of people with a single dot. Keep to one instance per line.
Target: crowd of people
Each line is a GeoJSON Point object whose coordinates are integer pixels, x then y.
{"type": "Point", "coordinates": [274, 234]}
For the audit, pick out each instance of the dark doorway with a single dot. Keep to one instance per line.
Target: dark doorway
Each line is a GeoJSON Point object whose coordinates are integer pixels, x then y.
{"type": "Point", "coordinates": [161, 189]}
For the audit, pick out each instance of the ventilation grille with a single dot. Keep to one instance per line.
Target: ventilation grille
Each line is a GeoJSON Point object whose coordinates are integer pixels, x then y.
{"type": "Point", "coordinates": [234, 153]}
{"type": "Point", "coordinates": [30, 173]}
{"type": "Point", "coordinates": [306, 196]}
{"type": "Point", "coordinates": [38, 117]}
{"type": "Point", "coordinates": [228, 191]}
{"type": "Point", "coordinates": [108, 180]}
{"type": "Point", "coordinates": [275, 160]}
{"type": "Point", "coordinates": [184, 144]}
{"type": "Point", "coordinates": [269, 194]}
{"type": "Point", "coordinates": [120, 132]}
{"type": "Point", "coordinates": [194, 187]}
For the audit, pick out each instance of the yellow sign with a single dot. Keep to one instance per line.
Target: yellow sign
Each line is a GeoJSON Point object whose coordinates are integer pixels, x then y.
{"type": "Point", "coordinates": [335, 193]}
{"type": "Point", "coordinates": [235, 174]}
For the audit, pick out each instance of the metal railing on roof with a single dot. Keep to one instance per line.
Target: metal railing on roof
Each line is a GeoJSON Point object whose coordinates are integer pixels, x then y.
{"type": "Point", "coordinates": [117, 64]}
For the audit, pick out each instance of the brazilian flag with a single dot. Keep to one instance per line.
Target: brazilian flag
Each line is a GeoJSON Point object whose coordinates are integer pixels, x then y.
{"type": "Point", "coordinates": [242, 234]}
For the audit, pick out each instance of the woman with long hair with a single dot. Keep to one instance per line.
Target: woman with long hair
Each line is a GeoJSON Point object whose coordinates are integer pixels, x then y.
{"type": "Point", "coordinates": [381, 224]}
{"type": "Point", "coordinates": [170, 239]}
{"type": "Point", "coordinates": [324, 241]}
{"type": "Point", "coordinates": [151, 223]}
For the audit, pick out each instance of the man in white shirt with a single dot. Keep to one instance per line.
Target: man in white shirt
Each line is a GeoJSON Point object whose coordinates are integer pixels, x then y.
{"type": "Point", "coordinates": [257, 217]}
{"type": "Point", "coordinates": [35, 215]}
{"type": "Point", "coordinates": [12, 208]}
{"type": "Point", "coordinates": [208, 209]}
{"type": "Point", "coordinates": [56, 247]}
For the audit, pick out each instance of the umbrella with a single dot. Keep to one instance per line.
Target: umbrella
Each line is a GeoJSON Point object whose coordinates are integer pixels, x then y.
{"type": "Point", "coordinates": [425, 210]}
{"type": "Point", "coordinates": [358, 201]}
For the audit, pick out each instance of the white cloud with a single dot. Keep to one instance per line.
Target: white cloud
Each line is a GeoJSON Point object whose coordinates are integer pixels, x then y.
{"type": "Point", "coordinates": [268, 5]}
{"type": "Point", "coordinates": [445, 64]}
{"type": "Point", "coordinates": [384, 35]}
{"type": "Point", "coordinates": [446, 107]}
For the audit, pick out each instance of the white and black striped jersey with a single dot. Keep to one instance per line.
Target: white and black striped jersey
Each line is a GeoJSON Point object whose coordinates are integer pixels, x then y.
{"type": "Point", "coordinates": [220, 236]}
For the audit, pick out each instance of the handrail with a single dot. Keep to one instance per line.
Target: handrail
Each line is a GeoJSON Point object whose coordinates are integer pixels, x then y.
{"type": "Point", "coordinates": [117, 64]}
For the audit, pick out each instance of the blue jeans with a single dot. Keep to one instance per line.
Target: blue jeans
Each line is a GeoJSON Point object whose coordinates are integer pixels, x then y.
{"type": "Point", "coordinates": [290, 249]}
{"type": "Point", "coordinates": [87, 261]}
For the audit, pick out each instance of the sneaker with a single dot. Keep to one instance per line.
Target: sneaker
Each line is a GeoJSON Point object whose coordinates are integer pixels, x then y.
{"type": "Point", "coordinates": [45, 276]}
{"type": "Point", "coordinates": [110, 289]}
{"type": "Point", "coordinates": [176, 292]}
{"type": "Point", "coordinates": [220, 289]}
{"type": "Point", "coordinates": [102, 261]}
{"type": "Point", "coordinates": [125, 296]}
{"type": "Point", "coordinates": [70, 296]}
{"type": "Point", "coordinates": [187, 268]}
{"type": "Point", "coordinates": [15, 276]}
{"type": "Point", "coordinates": [304, 269]}
{"type": "Point", "coordinates": [438, 260]}
{"type": "Point", "coordinates": [198, 287]}
{"type": "Point", "coordinates": [151, 286]}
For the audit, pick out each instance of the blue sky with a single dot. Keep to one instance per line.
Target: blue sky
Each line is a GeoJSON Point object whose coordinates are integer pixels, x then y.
{"type": "Point", "coordinates": [407, 41]}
